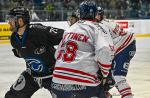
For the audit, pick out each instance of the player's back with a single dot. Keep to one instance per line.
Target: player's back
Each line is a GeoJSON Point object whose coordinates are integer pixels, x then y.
{"type": "Point", "coordinates": [121, 38]}
{"type": "Point", "coordinates": [75, 56]}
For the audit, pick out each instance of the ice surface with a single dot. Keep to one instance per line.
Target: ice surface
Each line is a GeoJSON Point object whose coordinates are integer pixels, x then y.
{"type": "Point", "coordinates": [138, 76]}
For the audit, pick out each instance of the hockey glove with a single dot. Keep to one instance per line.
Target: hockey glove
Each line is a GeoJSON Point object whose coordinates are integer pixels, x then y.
{"type": "Point", "coordinates": [16, 53]}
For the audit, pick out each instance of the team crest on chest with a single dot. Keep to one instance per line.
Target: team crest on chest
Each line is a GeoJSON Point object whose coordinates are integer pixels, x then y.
{"type": "Point", "coordinates": [40, 50]}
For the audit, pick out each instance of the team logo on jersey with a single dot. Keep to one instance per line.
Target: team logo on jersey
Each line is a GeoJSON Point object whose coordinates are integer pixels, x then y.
{"type": "Point", "coordinates": [40, 50]}
{"type": "Point", "coordinates": [126, 66]}
{"type": "Point", "coordinates": [54, 30]}
{"type": "Point", "coordinates": [132, 53]}
{"type": "Point", "coordinates": [35, 65]}
{"type": "Point", "coordinates": [114, 64]}
{"type": "Point", "coordinates": [28, 70]}
{"type": "Point", "coordinates": [20, 83]}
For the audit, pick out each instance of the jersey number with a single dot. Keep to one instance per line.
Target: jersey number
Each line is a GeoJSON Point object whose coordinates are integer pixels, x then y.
{"type": "Point", "coordinates": [68, 54]}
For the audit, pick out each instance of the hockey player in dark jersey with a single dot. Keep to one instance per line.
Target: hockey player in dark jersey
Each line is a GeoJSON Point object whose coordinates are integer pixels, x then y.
{"type": "Point", "coordinates": [35, 44]}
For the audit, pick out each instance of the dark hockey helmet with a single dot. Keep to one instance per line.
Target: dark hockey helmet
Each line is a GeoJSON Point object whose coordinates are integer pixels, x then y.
{"type": "Point", "coordinates": [88, 10]}
{"type": "Point", "coordinates": [20, 12]}
{"type": "Point", "coordinates": [100, 10]}
{"type": "Point", "coordinates": [74, 14]}
{"type": "Point", "coordinates": [73, 18]}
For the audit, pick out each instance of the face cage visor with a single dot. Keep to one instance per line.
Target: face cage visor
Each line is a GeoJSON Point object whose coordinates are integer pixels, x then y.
{"type": "Point", "coordinates": [71, 20]}
{"type": "Point", "coordinates": [11, 18]}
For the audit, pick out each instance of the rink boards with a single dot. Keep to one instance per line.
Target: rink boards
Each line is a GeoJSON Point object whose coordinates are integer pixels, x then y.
{"type": "Point", "coordinates": [140, 27]}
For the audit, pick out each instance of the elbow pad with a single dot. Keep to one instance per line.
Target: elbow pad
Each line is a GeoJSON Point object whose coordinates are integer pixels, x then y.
{"type": "Point", "coordinates": [104, 55]}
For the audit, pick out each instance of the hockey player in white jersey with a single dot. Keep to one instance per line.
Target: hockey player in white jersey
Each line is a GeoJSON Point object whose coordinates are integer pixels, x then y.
{"type": "Point", "coordinates": [110, 82]}
{"type": "Point", "coordinates": [82, 51]}
{"type": "Point", "coordinates": [125, 48]}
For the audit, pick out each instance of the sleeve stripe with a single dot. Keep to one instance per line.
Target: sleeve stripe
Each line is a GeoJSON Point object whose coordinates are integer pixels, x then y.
{"type": "Point", "coordinates": [74, 71]}
{"type": "Point", "coordinates": [125, 43]}
{"type": "Point", "coordinates": [105, 66]}
{"type": "Point", "coordinates": [71, 78]}
{"type": "Point", "coordinates": [105, 73]}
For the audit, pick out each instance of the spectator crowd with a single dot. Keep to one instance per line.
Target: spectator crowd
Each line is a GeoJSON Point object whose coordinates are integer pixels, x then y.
{"type": "Point", "coordinates": [58, 10]}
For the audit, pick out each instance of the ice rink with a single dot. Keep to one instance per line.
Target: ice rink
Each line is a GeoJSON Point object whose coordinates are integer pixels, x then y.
{"type": "Point", "coordinates": [138, 76]}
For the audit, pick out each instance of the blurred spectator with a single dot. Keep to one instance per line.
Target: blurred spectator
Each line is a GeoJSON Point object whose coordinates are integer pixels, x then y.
{"type": "Point", "coordinates": [72, 5]}
{"type": "Point", "coordinates": [1, 17]}
{"type": "Point", "coordinates": [144, 8]}
{"type": "Point", "coordinates": [112, 4]}
{"type": "Point", "coordinates": [58, 5]}
{"type": "Point", "coordinates": [38, 4]}
{"type": "Point", "coordinates": [59, 9]}
{"type": "Point", "coordinates": [34, 16]}
{"type": "Point", "coordinates": [148, 14]}
{"type": "Point", "coordinates": [49, 8]}
{"type": "Point", "coordinates": [135, 6]}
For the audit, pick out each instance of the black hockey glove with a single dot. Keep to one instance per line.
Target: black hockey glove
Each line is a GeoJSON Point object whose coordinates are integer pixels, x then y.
{"type": "Point", "coordinates": [16, 53]}
{"type": "Point", "coordinates": [110, 82]}
{"type": "Point", "coordinates": [107, 82]}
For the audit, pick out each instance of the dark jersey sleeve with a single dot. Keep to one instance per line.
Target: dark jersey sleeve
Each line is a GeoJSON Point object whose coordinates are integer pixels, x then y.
{"type": "Point", "coordinates": [15, 46]}
{"type": "Point", "coordinates": [52, 35]}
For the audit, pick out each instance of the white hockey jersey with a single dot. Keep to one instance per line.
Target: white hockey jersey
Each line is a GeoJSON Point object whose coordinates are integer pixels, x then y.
{"type": "Point", "coordinates": [121, 38]}
{"type": "Point", "coordinates": [82, 51]}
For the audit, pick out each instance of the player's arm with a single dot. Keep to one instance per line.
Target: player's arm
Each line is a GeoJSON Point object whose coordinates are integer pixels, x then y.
{"type": "Point", "coordinates": [48, 34]}
{"type": "Point", "coordinates": [54, 35]}
{"type": "Point", "coordinates": [14, 50]}
{"type": "Point", "coordinates": [16, 53]}
{"type": "Point", "coordinates": [104, 53]}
